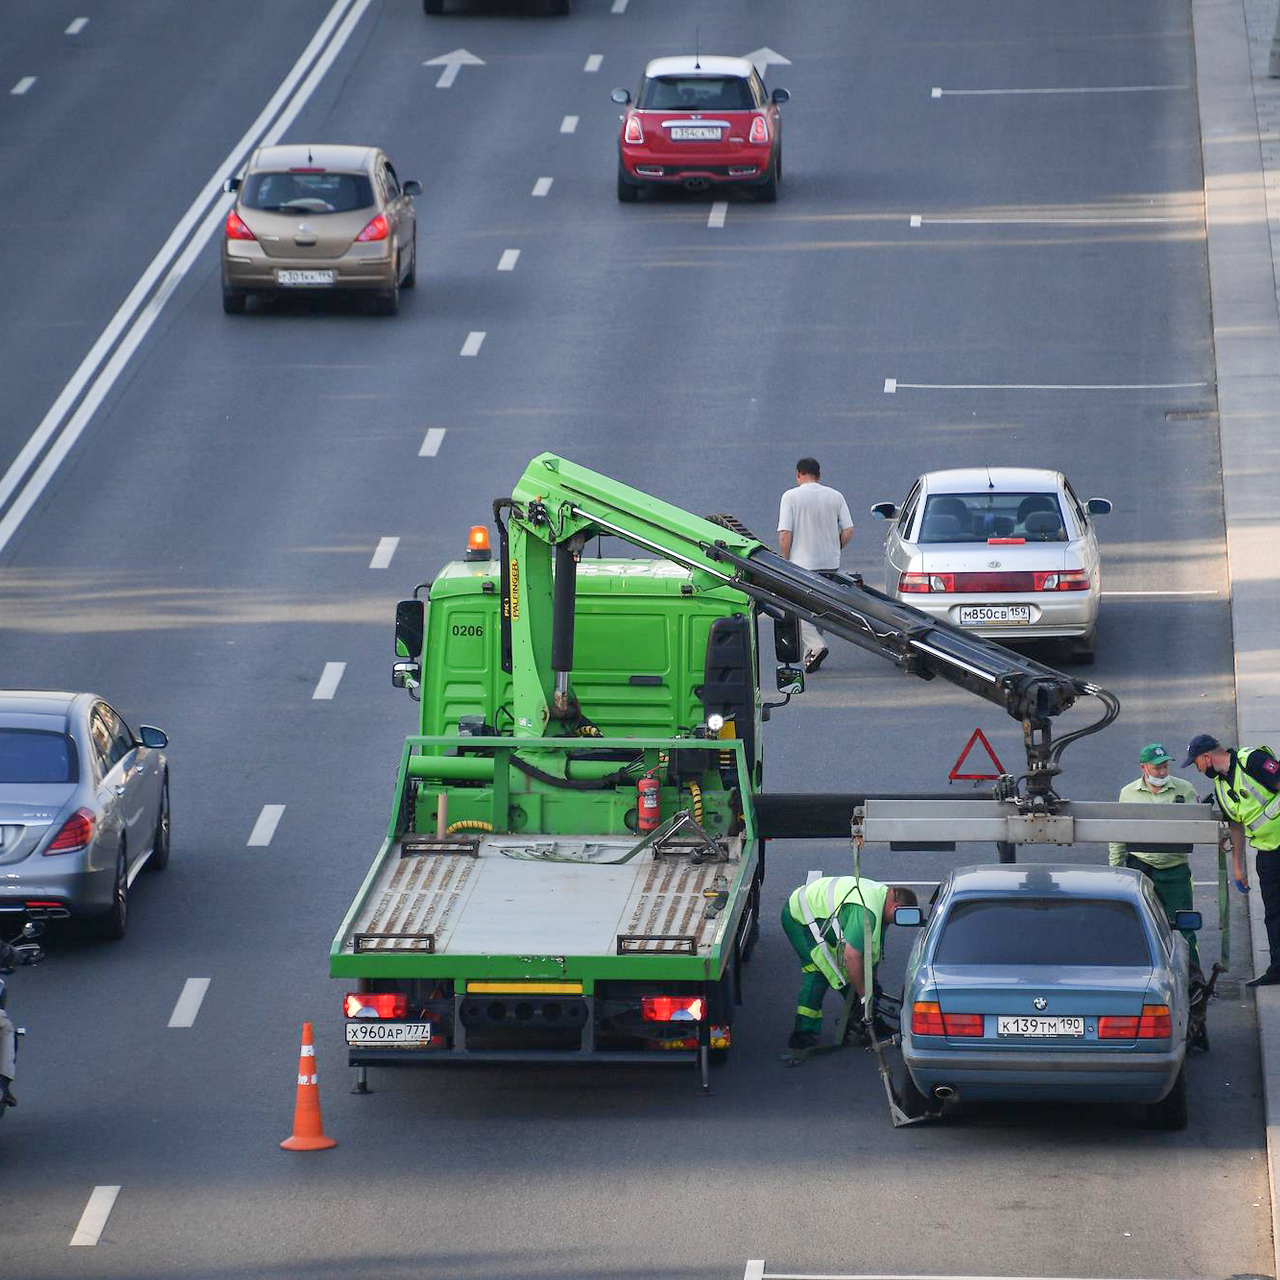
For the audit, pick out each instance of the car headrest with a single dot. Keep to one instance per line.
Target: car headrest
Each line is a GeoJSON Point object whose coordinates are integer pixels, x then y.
{"type": "Point", "coordinates": [1043, 524]}
{"type": "Point", "coordinates": [940, 529]}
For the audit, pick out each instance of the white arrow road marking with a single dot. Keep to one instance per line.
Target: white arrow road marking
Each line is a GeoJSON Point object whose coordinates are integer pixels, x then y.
{"type": "Point", "coordinates": [184, 1012]}
{"type": "Point", "coordinates": [508, 260]}
{"type": "Point", "coordinates": [763, 57]}
{"type": "Point", "coordinates": [23, 85]}
{"type": "Point", "coordinates": [569, 124]}
{"type": "Point", "coordinates": [452, 62]}
{"type": "Point", "coordinates": [593, 62]}
{"type": "Point", "coordinates": [95, 1215]}
{"type": "Point", "coordinates": [716, 217]}
{"type": "Point", "coordinates": [542, 186]}
{"type": "Point", "coordinates": [265, 827]}
{"type": "Point", "coordinates": [77, 26]}
{"type": "Point", "coordinates": [327, 685]}
{"type": "Point", "coordinates": [385, 550]}
{"type": "Point", "coordinates": [431, 442]}
{"type": "Point", "coordinates": [473, 343]}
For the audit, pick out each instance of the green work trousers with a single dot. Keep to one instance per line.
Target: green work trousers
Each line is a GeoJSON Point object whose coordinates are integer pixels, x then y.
{"type": "Point", "coordinates": [1173, 888]}
{"type": "Point", "coordinates": [813, 986]}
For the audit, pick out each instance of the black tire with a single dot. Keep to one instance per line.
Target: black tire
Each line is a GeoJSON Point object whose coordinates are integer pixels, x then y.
{"type": "Point", "coordinates": [912, 1101]}
{"type": "Point", "coordinates": [1171, 1111]}
{"type": "Point", "coordinates": [1084, 650]}
{"type": "Point", "coordinates": [767, 191]}
{"type": "Point", "coordinates": [233, 301]}
{"type": "Point", "coordinates": [387, 303]}
{"type": "Point", "coordinates": [753, 932]}
{"type": "Point", "coordinates": [628, 192]}
{"type": "Point", "coordinates": [412, 278]}
{"type": "Point", "coordinates": [558, 8]}
{"type": "Point", "coordinates": [160, 853]}
{"type": "Point", "coordinates": [112, 926]}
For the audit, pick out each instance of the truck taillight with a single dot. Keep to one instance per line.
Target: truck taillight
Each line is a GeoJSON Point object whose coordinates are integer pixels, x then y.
{"type": "Point", "coordinates": [759, 131]}
{"type": "Point", "coordinates": [673, 1008]}
{"type": "Point", "coordinates": [236, 230]}
{"type": "Point", "coordinates": [927, 1019]}
{"type": "Point", "coordinates": [76, 833]}
{"type": "Point", "coordinates": [1065, 580]}
{"type": "Point", "coordinates": [379, 1004]}
{"type": "Point", "coordinates": [633, 132]}
{"type": "Point", "coordinates": [1154, 1024]}
{"type": "Point", "coordinates": [913, 583]}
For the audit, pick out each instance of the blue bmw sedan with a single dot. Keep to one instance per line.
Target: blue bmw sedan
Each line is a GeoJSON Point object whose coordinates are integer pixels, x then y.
{"type": "Point", "coordinates": [1048, 983]}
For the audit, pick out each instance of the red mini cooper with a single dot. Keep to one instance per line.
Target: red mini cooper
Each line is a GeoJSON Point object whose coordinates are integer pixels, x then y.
{"type": "Point", "coordinates": [699, 122]}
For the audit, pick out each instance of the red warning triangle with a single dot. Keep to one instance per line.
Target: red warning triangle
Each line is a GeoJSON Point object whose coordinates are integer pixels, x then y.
{"type": "Point", "coordinates": [956, 776]}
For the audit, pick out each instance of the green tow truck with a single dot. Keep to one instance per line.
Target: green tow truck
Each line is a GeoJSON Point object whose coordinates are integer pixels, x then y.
{"type": "Point", "coordinates": [573, 864]}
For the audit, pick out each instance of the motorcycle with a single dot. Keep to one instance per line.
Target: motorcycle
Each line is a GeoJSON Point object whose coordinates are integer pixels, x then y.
{"type": "Point", "coordinates": [31, 953]}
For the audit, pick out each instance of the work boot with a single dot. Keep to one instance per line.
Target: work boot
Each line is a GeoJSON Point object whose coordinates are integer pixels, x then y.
{"type": "Point", "coordinates": [6, 1096]}
{"type": "Point", "coordinates": [802, 1040]}
{"type": "Point", "coordinates": [812, 661]}
{"type": "Point", "coordinates": [1268, 979]}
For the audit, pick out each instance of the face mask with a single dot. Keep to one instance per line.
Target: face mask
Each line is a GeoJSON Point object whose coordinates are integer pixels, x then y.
{"type": "Point", "coordinates": [1158, 784]}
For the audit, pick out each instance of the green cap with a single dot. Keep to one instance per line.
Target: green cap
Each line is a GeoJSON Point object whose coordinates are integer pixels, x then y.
{"type": "Point", "coordinates": [1154, 753]}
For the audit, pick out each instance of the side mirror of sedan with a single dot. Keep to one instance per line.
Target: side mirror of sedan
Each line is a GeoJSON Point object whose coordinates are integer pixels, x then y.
{"type": "Point", "coordinates": [231, 184]}
{"type": "Point", "coordinates": [1190, 920]}
{"type": "Point", "coordinates": [780, 96]}
{"type": "Point", "coordinates": [150, 736]}
{"type": "Point", "coordinates": [1098, 507]}
{"type": "Point", "coordinates": [412, 188]}
{"type": "Point", "coordinates": [621, 96]}
{"type": "Point", "coordinates": [908, 917]}
{"type": "Point", "coordinates": [884, 510]}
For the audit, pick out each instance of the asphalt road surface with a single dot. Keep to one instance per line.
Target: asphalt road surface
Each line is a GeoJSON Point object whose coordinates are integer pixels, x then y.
{"type": "Point", "coordinates": [204, 549]}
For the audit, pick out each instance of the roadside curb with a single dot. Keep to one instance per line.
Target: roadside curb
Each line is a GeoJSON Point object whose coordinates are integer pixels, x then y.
{"type": "Point", "coordinates": [1239, 111]}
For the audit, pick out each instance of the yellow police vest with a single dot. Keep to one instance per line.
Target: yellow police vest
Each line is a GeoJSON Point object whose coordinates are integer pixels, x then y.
{"type": "Point", "coordinates": [816, 906]}
{"type": "Point", "coordinates": [1255, 808]}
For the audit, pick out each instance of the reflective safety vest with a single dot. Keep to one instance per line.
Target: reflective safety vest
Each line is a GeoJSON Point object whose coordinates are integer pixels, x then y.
{"type": "Point", "coordinates": [1255, 808]}
{"type": "Point", "coordinates": [817, 907]}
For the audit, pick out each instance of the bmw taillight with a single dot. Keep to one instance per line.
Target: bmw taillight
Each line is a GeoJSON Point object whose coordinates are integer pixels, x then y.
{"type": "Point", "coordinates": [371, 1004]}
{"type": "Point", "coordinates": [634, 131]}
{"type": "Point", "coordinates": [236, 230]}
{"type": "Point", "coordinates": [927, 1019]}
{"type": "Point", "coordinates": [913, 583]}
{"type": "Point", "coordinates": [759, 131]}
{"type": "Point", "coordinates": [1154, 1024]}
{"type": "Point", "coordinates": [76, 833]}
{"type": "Point", "coordinates": [375, 230]}
{"type": "Point", "coordinates": [673, 1008]}
{"type": "Point", "coordinates": [1065, 580]}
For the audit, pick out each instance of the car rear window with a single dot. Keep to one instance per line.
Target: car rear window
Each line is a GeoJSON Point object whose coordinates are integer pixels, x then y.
{"type": "Point", "coordinates": [36, 755]}
{"type": "Point", "coordinates": [697, 93]}
{"type": "Point", "coordinates": [975, 517]}
{"type": "Point", "coordinates": [307, 193]}
{"type": "Point", "coordinates": [1056, 931]}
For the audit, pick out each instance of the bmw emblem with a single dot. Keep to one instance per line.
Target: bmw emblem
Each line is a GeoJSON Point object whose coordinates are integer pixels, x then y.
{"type": "Point", "coordinates": [1040, 1003]}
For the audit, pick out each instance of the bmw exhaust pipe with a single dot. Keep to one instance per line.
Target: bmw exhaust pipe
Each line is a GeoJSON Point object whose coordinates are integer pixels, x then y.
{"type": "Point", "coordinates": [944, 1093]}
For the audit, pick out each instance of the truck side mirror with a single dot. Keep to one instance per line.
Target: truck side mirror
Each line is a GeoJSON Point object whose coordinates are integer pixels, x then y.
{"type": "Point", "coordinates": [908, 917]}
{"type": "Point", "coordinates": [786, 639]}
{"type": "Point", "coordinates": [404, 675]}
{"type": "Point", "coordinates": [790, 680]}
{"type": "Point", "coordinates": [1189, 920]}
{"type": "Point", "coordinates": [410, 627]}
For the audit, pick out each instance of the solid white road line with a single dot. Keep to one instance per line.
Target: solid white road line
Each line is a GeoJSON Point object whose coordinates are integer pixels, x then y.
{"type": "Point", "coordinates": [1119, 221]}
{"type": "Point", "coordinates": [382, 555]}
{"type": "Point", "coordinates": [1111, 88]}
{"type": "Point", "coordinates": [77, 26]}
{"type": "Point", "coordinates": [891, 385]}
{"type": "Point", "coordinates": [265, 827]}
{"type": "Point", "coordinates": [327, 685]}
{"type": "Point", "coordinates": [619, 6]}
{"type": "Point", "coordinates": [475, 340]}
{"type": "Point", "coordinates": [95, 1215]}
{"type": "Point", "coordinates": [23, 85]}
{"type": "Point", "coordinates": [508, 260]}
{"type": "Point", "coordinates": [184, 1012]}
{"type": "Point", "coordinates": [88, 369]}
{"type": "Point", "coordinates": [542, 186]}
{"type": "Point", "coordinates": [915, 219]}
{"type": "Point", "coordinates": [569, 124]}
{"type": "Point", "coordinates": [431, 442]}
{"type": "Point", "coordinates": [812, 876]}
{"type": "Point", "coordinates": [755, 1271]}
{"type": "Point", "coordinates": [718, 210]}
{"type": "Point", "coordinates": [1160, 593]}
{"type": "Point", "coordinates": [593, 62]}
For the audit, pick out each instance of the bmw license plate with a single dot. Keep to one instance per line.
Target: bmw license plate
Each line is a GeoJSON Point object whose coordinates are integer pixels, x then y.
{"type": "Point", "coordinates": [978, 615]}
{"type": "Point", "coordinates": [376, 1031]}
{"type": "Point", "coordinates": [304, 279]}
{"type": "Point", "coordinates": [694, 133]}
{"type": "Point", "coordinates": [1070, 1028]}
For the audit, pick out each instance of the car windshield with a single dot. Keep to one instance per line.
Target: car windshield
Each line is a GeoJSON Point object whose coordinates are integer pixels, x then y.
{"type": "Point", "coordinates": [697, 93]}
{"type": "Point", "coordinates": [292, 192]}
{"type": "Point", "coordinates": [1052, 931]}
{"type": "Point", "coordinates": [976, 517]}
{"type": "Point", "coordinates": [36, 755]}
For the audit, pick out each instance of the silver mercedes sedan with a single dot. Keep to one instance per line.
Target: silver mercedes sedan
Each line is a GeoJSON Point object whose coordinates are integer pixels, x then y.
{"type": "Point", "coordinates": [84, 806]}
{"type": "Point", "coordinates": [1009, 551]}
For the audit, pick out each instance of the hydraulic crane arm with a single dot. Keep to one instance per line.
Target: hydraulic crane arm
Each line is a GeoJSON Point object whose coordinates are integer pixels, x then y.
{"type": "Point", "coordinates": [557, 506]}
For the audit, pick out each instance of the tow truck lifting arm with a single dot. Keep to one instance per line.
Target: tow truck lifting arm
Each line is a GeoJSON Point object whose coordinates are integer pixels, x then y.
{"type": "Point", "coordinates": [557, 506]}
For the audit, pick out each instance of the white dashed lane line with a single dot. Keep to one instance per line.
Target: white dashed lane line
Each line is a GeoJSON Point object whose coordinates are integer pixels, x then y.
{"type": "Point", "coordinates": [718, 210]}
{"type": "Point", "coordinates": [569, 124]}
{"type": "Point", "coordinates": [265, 827]}
{"type": "Point", "coordinates": [619, 6]}
{"type": "Point", "coordinates": [327, 685]}
{"type": "Point", "coordinates": [95, 1215]}
{"type": "Point", "coordinates": [386, 548]}
{"type": "Point", "coordinates": [77, 26]}
{"type": "Point", "coordinates": [431, 442]}
{"type": "Point", "coordinates": [23, 85]}
{"type": "Point", "coordinates": [184, 1012]}
{"type": "Point", "coordinates": [508, 260]}
{"type": "Point", "coordinates": [593, 62]}
{"type": "Point", "coordinates": [475, 340]}
{"type": "Point", "coordinates": [542, 186]}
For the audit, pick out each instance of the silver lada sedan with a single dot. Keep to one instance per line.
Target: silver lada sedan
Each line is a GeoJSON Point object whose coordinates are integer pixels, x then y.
{"type": "Point", "coordinates": [84, 806]}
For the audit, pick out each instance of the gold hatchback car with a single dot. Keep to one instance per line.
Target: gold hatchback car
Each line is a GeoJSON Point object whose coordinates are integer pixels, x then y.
{"type": "Point", "coordinates": [312, 217]}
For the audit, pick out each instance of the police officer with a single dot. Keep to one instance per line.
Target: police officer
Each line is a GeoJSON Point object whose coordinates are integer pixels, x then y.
{"type": "Point", "coordinates": [1246, 783]}
{"type": "Point", "coordinates": [834, 923]}
{"type": "Point", "coordinates": [1168, 866]}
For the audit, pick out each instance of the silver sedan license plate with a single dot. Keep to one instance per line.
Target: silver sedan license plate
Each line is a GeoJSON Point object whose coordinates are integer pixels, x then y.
{"type": "Point", "coordinates": [977, 615]}
{"type": "Point", "coordinates": [1070, 1028]}
{"type": "Point", "coordinates": [694, 133]}
{"type": "Point", "coordinates": [375, 1031]}
{"type": "Point", "coordinates": [304, 279]}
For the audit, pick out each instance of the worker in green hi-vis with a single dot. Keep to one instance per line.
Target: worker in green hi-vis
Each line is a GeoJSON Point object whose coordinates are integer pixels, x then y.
{"type": "Point", "coordinates": [827, 923]}
{"type": "Point", "coordinates": [1169, 865]}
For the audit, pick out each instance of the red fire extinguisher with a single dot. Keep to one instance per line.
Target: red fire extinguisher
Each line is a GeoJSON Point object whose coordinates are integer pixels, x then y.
{"type": "Point", "coordinates": [648, 810]}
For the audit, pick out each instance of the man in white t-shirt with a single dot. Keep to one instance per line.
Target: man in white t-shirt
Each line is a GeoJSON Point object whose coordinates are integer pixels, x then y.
{"type": "Point", "coordinates": [814, 525]}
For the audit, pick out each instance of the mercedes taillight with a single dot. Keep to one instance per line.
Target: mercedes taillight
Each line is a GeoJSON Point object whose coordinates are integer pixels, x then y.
{"type": "Point", "coordinates": [76, 833]}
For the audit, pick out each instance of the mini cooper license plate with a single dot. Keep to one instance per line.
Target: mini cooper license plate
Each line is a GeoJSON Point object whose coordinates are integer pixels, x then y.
{"type": "Point", "coordinates": [305, 279]}
{"type": "Point", "coordinates": [1068, 1028]}
{"type": "Point", "coordinates": [978, 615]}
{"type": "Point", "coordinates": [375, 1031]}
{"type": "Point", "coordinates": [694, 133]}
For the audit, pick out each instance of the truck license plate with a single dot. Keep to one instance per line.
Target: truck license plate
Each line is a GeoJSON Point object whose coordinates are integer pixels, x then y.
{"type": "Point", "coordinates": [985, 614]}
{"type": "Point", "coordinates": [305, 279]}
{"type": "Point", "coordinates": [376, 1031]}
{"type": "Point", "coordinates": [1071, 1028]}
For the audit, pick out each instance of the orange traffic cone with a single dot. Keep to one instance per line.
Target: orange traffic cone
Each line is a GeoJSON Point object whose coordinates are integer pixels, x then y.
{"type": "Point", "coordinates": [308, 1130]}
